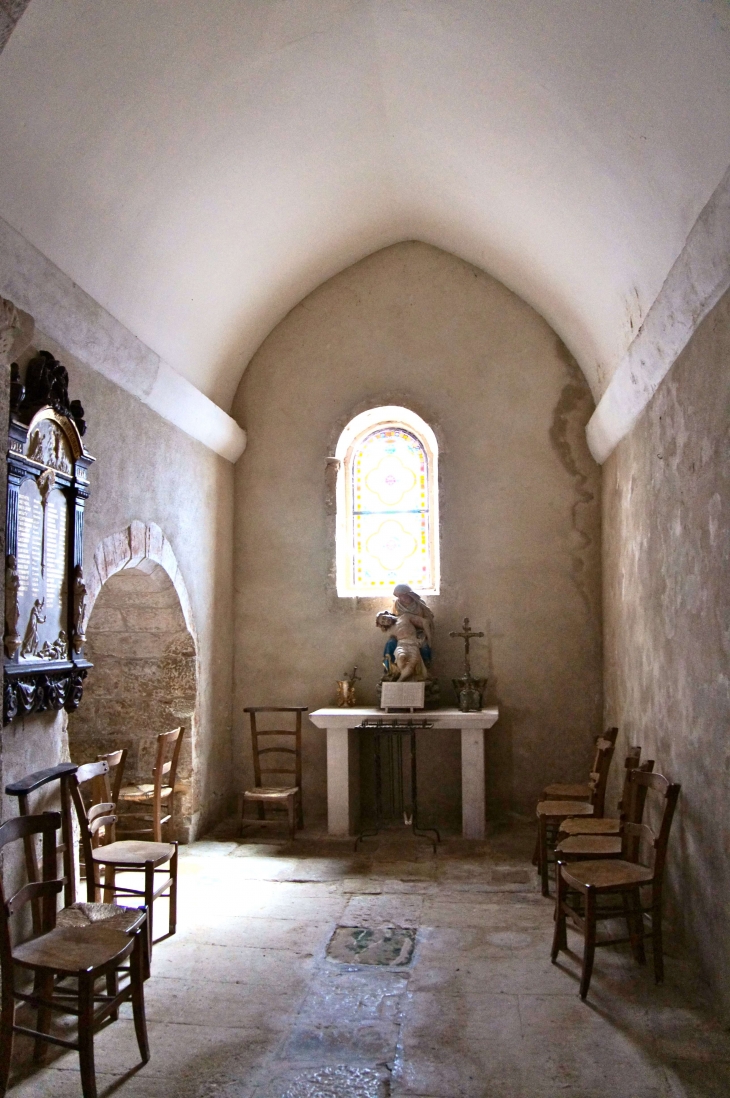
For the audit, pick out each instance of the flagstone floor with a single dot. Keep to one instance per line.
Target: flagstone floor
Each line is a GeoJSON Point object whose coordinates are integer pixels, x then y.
{"type": "Point", "coordinates": [245, 1002]}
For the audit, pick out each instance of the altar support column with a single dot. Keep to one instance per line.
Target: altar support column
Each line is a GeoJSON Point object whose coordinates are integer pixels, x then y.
{"type": "Point", "coordinates": [473, 796]}
{"type": "Point", "coordinates": [343, 781]}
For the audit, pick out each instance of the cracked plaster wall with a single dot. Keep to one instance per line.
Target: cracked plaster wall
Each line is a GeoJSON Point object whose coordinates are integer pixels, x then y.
{"type": "Point", "coordinates": [520, 516]}
{"type": "Point", "coordinates": [148, 471]}
{"type": "Point", "coordinates": [666, 492]}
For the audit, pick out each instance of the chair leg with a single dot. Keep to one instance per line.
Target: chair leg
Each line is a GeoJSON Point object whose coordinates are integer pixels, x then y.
{"type": "Point", "coordinates": [543, 855]}
{"type": "Point", "coordinates": [560, 935]}
{"type": "Point", "coordinates": [300, 811]}
{"type": "Point", "coordinates": [291, 810]}
{"type": "Point", "coordinates": [241, 808]}
{"type": "Point", "coordinates": [7, 1019]}
{"type": "Point", "coordinates": [635, 923]}
{"type": "Point", "coordinates": [173, 892]}
{"type": "Point", "coordinates": [536, 851]}
{"type": "Point", "coordinates": [656, 931]}
{"type": "Point", "coordinates": [149, 892]}
{"type": "Point", "coordinates": [112, 988]}
{"type": "Point", "coordinates": [109, 882]}
{"type": "Point", "coordinates": [137, 978]}
{"type": "Point", "coordinates": [86, 1035]}
{"type": "Point", "coordinates": [42, 986]}
{"type": "Point", "coordinates": [589, 948]}
{"type": "Point", "coordinates": [145, 947]}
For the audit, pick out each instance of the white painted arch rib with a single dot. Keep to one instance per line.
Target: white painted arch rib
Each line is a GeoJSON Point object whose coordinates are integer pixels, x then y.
{"type": "Point", "coordinates": [696, 282]}
{"type": "Point", "coordinates": [73, 319]}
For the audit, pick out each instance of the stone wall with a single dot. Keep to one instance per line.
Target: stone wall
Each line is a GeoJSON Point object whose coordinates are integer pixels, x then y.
{"type": "Point", "coordinates": [667, 615]}
{"type": "Point", "coordinates": [520, 515]}
{"type": "Point", "coordinates": [144, 680]}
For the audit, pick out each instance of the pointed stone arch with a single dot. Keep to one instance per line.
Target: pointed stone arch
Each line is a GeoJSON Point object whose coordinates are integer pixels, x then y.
{"type": "Point", "coordinates": [141, 638]}
{"type": "Point", "coordinates": [129, 548]}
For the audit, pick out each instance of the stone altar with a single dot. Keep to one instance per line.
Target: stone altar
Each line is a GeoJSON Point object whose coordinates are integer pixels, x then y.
{"type": "Point", "coordinates": [343, 771]}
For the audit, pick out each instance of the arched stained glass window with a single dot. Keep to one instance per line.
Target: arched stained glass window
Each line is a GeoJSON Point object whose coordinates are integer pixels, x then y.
{"type": "Point", "coordinates": [387, 504]}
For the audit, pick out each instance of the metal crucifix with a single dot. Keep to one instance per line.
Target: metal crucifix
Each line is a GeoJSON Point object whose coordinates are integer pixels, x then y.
{"type": "Point", "coordinates": [467, 635]}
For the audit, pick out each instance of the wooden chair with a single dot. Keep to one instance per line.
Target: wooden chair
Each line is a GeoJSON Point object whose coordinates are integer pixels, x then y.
{"type": "Point", "coordinates": [578, 791]}
{"type": "Point", "coordinates": [605, 825]}
{"type": "Point", "coordinates": [606, 844]}
{"type": "Point", "coordinates": [122, 856]}
{"type": "Point", "coordinates": [56, 953]}
{"type": "Point", "coordinates": [155, 795]}
{"type": "Point", "coordinates": [641, 867]}
{"type": "Point", "coordinates": [550, 814]}
{"type": "Point", "coordinates": [289, 796]}
{"type": "Point", "coordinates": [74, 913]}
{"type": "Point", "coordinates": [107, 788]}
{"type": "Point", "coordinates": [22, 789]}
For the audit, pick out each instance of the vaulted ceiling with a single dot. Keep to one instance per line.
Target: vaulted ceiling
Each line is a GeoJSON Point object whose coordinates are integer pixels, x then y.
{"type": "Point", "coordinates": [198, 168]}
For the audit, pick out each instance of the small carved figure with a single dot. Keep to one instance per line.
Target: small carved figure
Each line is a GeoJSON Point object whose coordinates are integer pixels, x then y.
{"type": "Point", "coordinates": [402, 657]}
{"type": "Point", "coordinates": [79, 597]}
{"type": "Point", "coordinates": [30, 640]}
{"type": "Point", "coordinates": [346, 697]}
{"type": "Point", "coordinates": [12, 608]}
{"type": "Point", "coordinates": [48, 446]}
{"type": "Point", "coordinates": [56, 650]}
{"type": "Point", "coordinates": [408, 602]}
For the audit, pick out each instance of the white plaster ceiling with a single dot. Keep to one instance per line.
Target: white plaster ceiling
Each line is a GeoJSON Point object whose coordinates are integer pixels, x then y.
{"type": "Point", "coordinates": [197, 168]}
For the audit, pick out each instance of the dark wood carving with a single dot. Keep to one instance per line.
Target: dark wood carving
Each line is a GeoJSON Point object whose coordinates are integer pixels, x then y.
{"type": "Point", "coordinates": [45, 594]}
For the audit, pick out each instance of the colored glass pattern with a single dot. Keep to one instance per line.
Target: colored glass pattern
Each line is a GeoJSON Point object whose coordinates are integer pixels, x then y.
{"type": "Point", "coordinates": [390, 512]}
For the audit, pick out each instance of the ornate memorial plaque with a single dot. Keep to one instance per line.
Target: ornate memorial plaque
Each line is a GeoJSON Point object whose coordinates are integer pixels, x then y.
{"type": "Point", "coordinates": [45, 595]}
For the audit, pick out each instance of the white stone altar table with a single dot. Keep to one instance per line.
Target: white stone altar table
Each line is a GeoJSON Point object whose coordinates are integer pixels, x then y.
{"type": "Point", "coordinates": [343, 762]}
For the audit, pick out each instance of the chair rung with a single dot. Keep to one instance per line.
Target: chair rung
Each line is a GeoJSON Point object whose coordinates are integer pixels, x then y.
{"type": "Point", "coordinates": [46, 1037]}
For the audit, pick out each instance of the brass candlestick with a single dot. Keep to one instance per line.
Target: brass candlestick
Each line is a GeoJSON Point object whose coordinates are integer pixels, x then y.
{"type": "Point", "coordinates": [346, 698]}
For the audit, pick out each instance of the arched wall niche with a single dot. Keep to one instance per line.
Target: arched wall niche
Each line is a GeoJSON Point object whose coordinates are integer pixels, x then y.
{"type": "Point", "coordinates": [141, 640]}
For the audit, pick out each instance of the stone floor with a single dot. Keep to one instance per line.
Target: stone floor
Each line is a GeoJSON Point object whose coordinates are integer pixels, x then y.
{"type": "Point", "coordinates": [244, 1001]}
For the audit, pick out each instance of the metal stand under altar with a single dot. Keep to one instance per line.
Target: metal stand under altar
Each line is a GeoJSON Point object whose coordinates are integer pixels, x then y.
{"type": "Point", "coordinates": [392, 730]}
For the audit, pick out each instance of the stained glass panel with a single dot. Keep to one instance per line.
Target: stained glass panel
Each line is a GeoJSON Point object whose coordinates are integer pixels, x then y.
{"type": "Point", "coordinates": [390, 509]}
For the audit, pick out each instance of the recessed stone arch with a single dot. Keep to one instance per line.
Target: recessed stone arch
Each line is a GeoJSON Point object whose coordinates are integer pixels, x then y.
{"type": "Point", "coordinates": [141, 639]}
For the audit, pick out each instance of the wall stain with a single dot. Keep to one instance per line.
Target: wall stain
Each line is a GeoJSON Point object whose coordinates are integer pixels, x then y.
{"type": "Point", "coordinates": [569, 419]}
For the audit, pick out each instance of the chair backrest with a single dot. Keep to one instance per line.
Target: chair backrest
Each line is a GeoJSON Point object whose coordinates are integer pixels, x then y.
{"type": "Point", "coordinates": [92, 820]}
{"type": "Point", "coordinates": [631, 762]}
{"type": "Point", "coordinates": [46, 890]}
{"type": "Point", "coordinates": [635, 794]}
{"type": "Point", "coordinates": [276, 766]}
{"type": "Point", "coordinates": [168, 753]}
{"type": "Point", "coordinates": [609, 736]}
{"type": "Point", "coordinates": [108, 787]}
{"type": "Point", "coordinates": [22, 789]}
{"type": "Point", "coordinates": [163, 775]}
{"type": "Point", "coordinates": [599, 776]}
{"type": "Point", "coordinates": [640, 837]}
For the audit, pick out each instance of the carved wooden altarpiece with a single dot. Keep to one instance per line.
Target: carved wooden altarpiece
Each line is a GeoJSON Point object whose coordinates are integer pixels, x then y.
{"type": "Point", "coordinates": [45, 594]}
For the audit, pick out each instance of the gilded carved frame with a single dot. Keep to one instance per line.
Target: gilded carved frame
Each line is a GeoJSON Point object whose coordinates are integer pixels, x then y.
{"type": "Point", "coordinates": [45, 593]}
